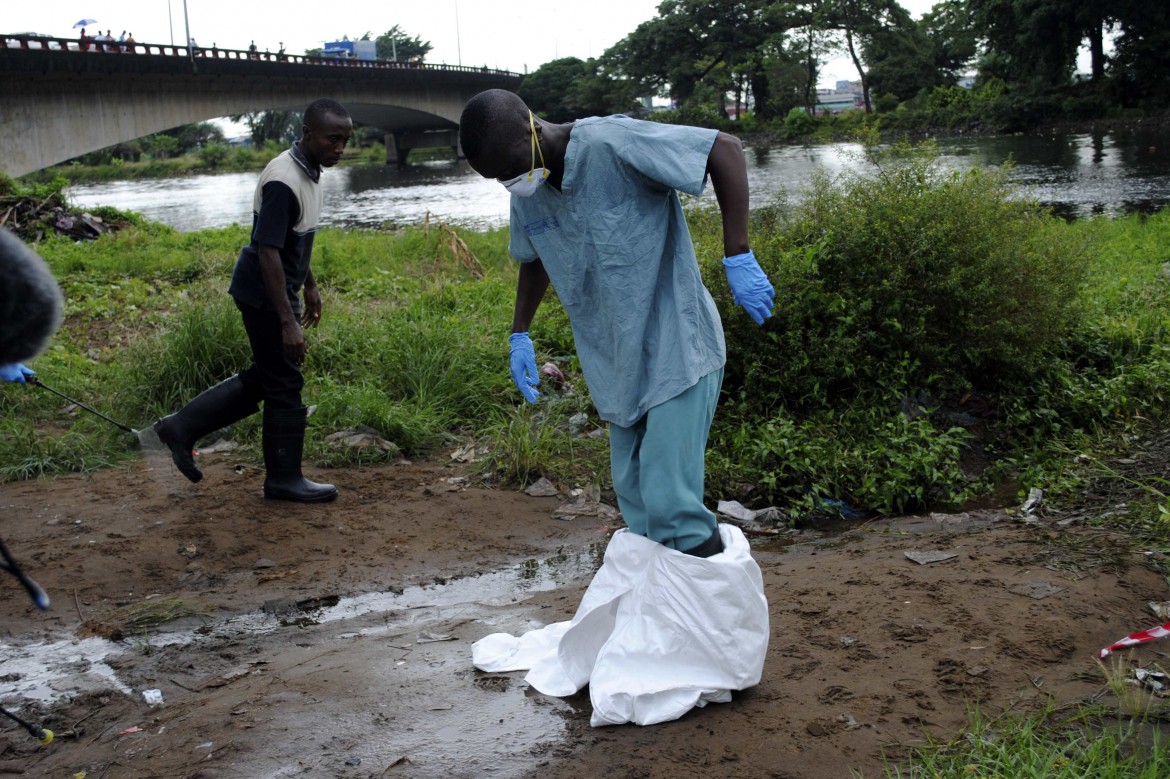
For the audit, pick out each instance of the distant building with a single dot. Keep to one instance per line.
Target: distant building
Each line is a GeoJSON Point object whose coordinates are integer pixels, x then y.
{"type": "Point", "coordinates": [845, 97]}
{"type": "Point", "coordinates": [346, 49]}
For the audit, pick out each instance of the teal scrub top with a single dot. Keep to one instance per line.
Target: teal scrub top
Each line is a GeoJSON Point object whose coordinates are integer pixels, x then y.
{"type": "Point", "coordinates": [616, 247]}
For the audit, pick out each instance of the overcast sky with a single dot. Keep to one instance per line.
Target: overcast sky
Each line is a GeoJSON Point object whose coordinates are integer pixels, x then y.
{"type": "Point", "coordinates": [507, 34]}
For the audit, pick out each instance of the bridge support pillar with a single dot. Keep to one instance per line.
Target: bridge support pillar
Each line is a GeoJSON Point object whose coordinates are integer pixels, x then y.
{"type": "Point", "coordinates": [399, 145]}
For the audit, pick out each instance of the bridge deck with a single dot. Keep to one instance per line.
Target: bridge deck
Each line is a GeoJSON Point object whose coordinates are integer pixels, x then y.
{"type": "Point", "coordinates": [61, 100]}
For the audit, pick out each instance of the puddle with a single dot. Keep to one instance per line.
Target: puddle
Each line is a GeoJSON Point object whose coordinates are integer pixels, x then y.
{"type": "Point", "coordinates": [49, 670]}
{"type": "Point", "coordinates": [53, 669]}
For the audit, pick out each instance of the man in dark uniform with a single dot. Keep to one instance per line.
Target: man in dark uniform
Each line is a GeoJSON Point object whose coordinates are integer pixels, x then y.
{"type": "Point", "coordinates": [268, 276]}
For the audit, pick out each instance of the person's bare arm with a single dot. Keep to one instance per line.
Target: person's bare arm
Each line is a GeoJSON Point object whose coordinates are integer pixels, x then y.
{"type": "Point", "coordinates": [728, 170]}
{"type": "Point", "coordinates": [530, 288]}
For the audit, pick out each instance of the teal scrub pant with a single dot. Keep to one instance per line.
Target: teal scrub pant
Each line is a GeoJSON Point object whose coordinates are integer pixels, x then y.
{"type": "Point", "coordinates": [658, 468]}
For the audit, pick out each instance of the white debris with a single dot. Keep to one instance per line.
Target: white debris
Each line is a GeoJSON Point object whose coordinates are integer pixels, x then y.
{"type": "Point", "coordinates": [541, 488]}
{"type": "Point", "coordinates": [736, 510]}
{"type": "Point", "coordinates": [931, 556]}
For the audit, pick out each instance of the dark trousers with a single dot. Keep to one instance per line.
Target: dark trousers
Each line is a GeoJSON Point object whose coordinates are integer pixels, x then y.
{"type": "Point", "coordinates": [272, 377]}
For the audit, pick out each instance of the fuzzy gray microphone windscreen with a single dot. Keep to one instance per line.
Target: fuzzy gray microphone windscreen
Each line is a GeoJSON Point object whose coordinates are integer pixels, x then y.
{"type": "Point", "coordinates": [30, 301]}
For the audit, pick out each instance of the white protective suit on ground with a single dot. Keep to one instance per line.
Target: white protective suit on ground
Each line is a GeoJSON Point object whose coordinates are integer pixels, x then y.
{"type": "Point", "coordinates": [657, 633]}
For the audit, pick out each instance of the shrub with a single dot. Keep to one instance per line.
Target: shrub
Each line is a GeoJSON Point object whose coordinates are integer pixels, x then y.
{"type": "Point", "coordinates": [907, 271]}
{"type": "Point", "coordinates": [798, 124]}
{"type": "Point", "coordinates": [896, 285]}
{"type": "Point", "coordinates": [212, 155]}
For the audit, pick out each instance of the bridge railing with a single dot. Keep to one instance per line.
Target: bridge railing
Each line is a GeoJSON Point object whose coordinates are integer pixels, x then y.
{"type": "Point", "coordinates": [46, 43]}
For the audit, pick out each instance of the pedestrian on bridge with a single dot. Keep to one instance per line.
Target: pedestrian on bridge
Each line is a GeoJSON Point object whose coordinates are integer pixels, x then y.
{"type": "Point", "coordinates": [269, 276]}
{"type": "Point", "coordinates": [601, 220]}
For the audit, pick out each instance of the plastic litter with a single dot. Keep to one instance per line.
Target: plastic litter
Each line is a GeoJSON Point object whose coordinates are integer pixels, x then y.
{"type": "Point", "coordinates": [1035, 498]}
{"type": "Point", "coordinates": [585, 506]}
{"type": "Point", "coordinates": [842, 509]}
{"type": "Point", "coordinates": [152, 697]}
{"type": "Point", "coordinates": [1140, 637]}
{"type": "Point", "coordinates": [932, 556]}
{"type": "Point", "coordinates": [550, 372]}
{"type": "Point", "coordinates": [736, 510]}
{"type": "Point", "coordinates": [1037, 590]}
{"type": "Point", "coordinates": [1157, 681]}
{"type": "Point", "coordinates": [577, 422]}
{"type": "Point", "coordinates": [363, 440]}
{"type": "Point", "coordinates": [657, 633]}
{"type": "Point", "coordinates": [541, 488]}
{"type": "Point", "coordinates": [222, 445]}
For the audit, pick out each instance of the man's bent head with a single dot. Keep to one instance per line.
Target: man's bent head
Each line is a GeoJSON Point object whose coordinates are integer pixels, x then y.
{"type": "Point", "coordinates": [496, 133]}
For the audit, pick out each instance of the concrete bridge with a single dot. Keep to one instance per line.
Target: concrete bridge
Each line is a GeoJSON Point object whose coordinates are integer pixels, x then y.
{"type": "Point", "coordinates": [58, 101]}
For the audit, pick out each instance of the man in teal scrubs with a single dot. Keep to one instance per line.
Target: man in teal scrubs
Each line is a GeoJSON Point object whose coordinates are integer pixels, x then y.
{"type": "Point", "coordinates": [595, 210]}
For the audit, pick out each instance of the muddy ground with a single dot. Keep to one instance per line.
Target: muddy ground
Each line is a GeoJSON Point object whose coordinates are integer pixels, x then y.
{"type": "Point", "coordinates": [334, 641]}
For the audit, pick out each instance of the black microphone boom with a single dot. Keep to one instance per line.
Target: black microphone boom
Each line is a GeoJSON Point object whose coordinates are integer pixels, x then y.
{"type": "Point", "coordinates": [30, 301]}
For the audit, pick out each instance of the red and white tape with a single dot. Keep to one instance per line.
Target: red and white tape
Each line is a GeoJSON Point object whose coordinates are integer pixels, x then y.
{"type": "Point", "coordinates": [1141, 637]}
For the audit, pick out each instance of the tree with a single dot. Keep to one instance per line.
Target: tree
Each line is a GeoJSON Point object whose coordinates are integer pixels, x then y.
{"type": "Point", "coordinates": [813, 43]}
{"type": "Point", "coordinates": [1142, 52]}
{"type": "Point", "coordinates": [692, 41]}
{"type": "Point", "coordinates": [601, 90]}
{"type": "Point", "coordinates": [953, 40]}
{"type": "Point", "coordinates": [1032, 41]}
{"type": "Point", "coordinates": [659, 55]}
{"type": "Point", "coordinates": [860, 22]}
{"type": "Point", "coordinates": [789, 84]}
{"type": "Point", "coordinates": [901, 58]}
{"type": "Point", "coordinates": [194, 136]}
{"type": "Point", "coordinates": [396, 44]}
{"type": "Point", "coordinates": [181, 140]}
{"type": "Point", "coordinates": [548, 89]}
{"type": "Point", "coordinates": [267, 126]}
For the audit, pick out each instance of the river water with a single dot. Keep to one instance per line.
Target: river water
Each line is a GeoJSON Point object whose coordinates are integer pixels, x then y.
{"type": "Point", "coordinates": [1076, 174]}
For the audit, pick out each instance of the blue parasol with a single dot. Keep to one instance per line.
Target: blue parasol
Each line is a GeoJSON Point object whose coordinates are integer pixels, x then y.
{"type": "Point", "coordinates": [85, 23]}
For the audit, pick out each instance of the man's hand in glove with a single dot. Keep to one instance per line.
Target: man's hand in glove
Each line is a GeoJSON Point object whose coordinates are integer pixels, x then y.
{"type": "Point", "coordinates": [750, 288]}
{"type": "Point", "coordinates": [524, 371]}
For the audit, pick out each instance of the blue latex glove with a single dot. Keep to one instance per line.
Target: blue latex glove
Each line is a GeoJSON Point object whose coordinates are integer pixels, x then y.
{"type": "Point", "coordinates": [749, 286]}
{"type": "Point", "coordinates": [524, 371]}
{"type": "Point", "coordinates": [16, 372]}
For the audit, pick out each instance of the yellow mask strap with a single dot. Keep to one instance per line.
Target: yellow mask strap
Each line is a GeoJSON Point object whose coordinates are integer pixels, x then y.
{"type": "Point", "coordinates": [536, 149]}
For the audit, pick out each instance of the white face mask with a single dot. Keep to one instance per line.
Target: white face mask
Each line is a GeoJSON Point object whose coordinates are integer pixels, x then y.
{"type": "Point", "coordinates": [526, 184]}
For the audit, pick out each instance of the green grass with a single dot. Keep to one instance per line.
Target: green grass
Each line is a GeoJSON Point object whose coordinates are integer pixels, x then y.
{"type": "Point", "coordinates": [1044, 747]}
{"type": "Point", "coordinates": [412, 344]}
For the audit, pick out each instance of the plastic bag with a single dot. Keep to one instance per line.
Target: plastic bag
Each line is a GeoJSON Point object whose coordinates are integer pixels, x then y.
{"type": "Point", "coordinates": [657, 633]}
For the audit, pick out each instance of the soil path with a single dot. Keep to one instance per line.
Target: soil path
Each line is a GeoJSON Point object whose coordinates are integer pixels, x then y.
{"type": "Point", "coordinates": [333, 641]}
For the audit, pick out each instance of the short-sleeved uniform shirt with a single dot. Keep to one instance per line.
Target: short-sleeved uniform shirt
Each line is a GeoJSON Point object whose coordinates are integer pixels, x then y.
{"type": "Point", "coordinates": [617, 250]}
{"type": "Point", "coordinates": [285, 210]}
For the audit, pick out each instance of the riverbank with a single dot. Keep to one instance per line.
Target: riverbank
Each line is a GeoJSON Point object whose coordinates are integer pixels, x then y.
{"type": "Point", "coordinates": [212, 159]}
{"type": "Point", "coordinates": [845, 128]}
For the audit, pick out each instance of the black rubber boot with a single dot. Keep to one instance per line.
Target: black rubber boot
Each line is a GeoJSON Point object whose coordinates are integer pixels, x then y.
{"type": "Point", "coordinates": [709, 548]}
{"type": "Point", "coordinates": [284, 442]}
{"type": "Point", "coordinates": [217, 407]}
